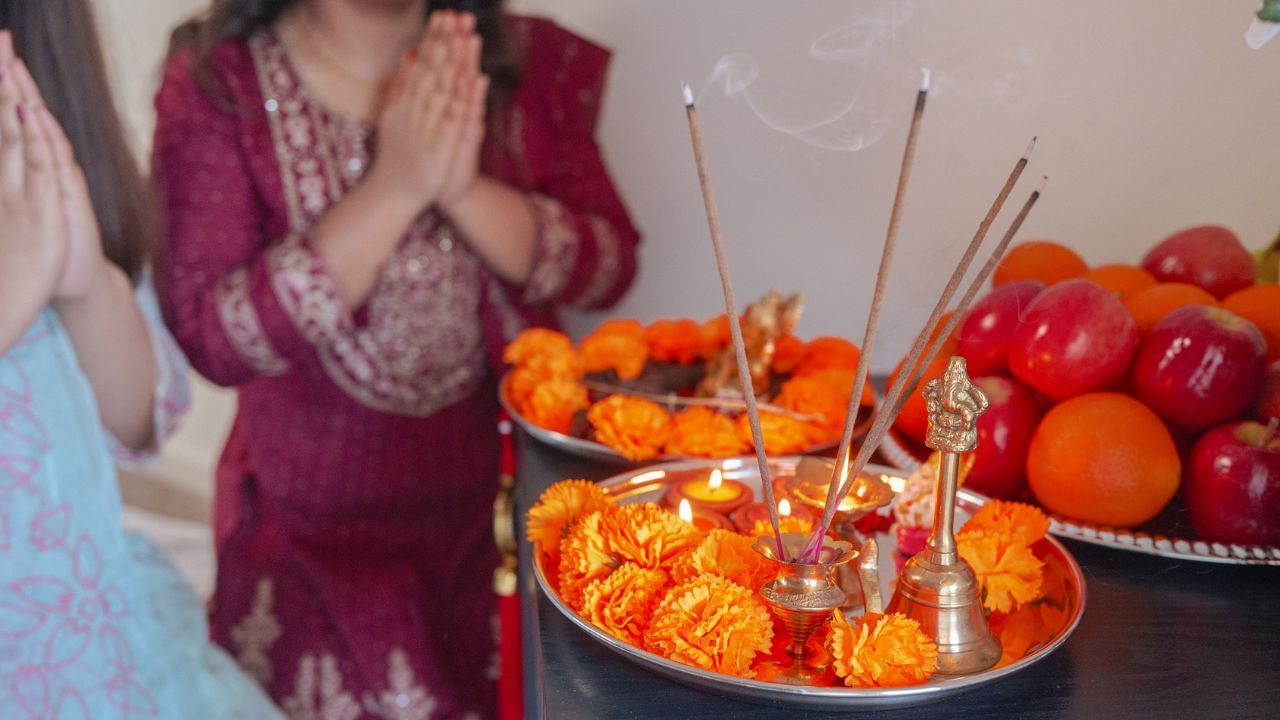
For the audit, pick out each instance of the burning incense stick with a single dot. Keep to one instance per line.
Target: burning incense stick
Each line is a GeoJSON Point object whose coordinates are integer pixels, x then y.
{"type": "Point", "coordinates": [731, 309]}
{"type": "Point", "coordinates": [913, 383]}
{"type": "Point", "coordinates": [895, 398]}
{"type": "Point", "coordinates": [877, 300]}
{"type": "Point", "coordinates": [849, 473]}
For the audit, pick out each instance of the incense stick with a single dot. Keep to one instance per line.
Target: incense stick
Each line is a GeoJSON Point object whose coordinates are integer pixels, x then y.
{"type": "Point", "coordinates": [913, 383]}
{"type": "Point", "coordinates": [877, 298]}
{"type": "Point", "coordinates": [882, 420]}
{"type": "Point", "coordinates": [893, 401]}
{"type": "Point", "coordinates": [731, 309]}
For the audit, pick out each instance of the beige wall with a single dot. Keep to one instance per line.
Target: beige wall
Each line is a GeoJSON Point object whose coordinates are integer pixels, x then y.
{"type": "Point", "coordinates": [1152, 115]}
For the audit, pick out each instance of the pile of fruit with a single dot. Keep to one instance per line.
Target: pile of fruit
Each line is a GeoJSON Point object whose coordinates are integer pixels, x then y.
{"type": "Point", "coordinates": [1116, 389]}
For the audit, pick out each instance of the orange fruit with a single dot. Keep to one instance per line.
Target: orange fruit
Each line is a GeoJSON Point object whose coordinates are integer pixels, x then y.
{"type": "Point", "coordinates": [913, 421]}
{"type": "Point", "coordinates": [1149, 305]}
{"type": "Point", "coordinates": [1124, 280]}
{"type": "Point", "coordinates": [1261, 305]}
{"type": "Point", "coordinates": [1103, 458]}
{"type": "Point", "coordinates": [1043, 260]}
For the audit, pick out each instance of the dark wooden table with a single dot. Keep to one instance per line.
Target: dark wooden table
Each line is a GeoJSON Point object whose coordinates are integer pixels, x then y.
{"type": "Point", "coordinates": [1159, 639]}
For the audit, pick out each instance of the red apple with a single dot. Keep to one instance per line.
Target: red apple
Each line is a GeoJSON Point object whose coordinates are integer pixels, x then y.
{"type": "Point", "coordinates": [1232, 485]}
{"type": "Point", "coordinates": [1268, 403]}
{"type": "Point", "coordinates": [1074, 337]}
{"type": "Point", "coordinates": [1209, 256]}
{"type": "Point", "coordinates": [1200, 366]}
{"type": "Point", "coordinates": [984, 335]}
{"type": "Point", "coordinates": [1004, 434]}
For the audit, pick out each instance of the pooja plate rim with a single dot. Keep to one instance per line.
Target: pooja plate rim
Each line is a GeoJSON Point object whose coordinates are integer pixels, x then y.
{"type": "Point", "coordinates": [1177, 547]}
{"type": "Point", "coordinates": [592, 450]}
{"type": "Point", "coordinates": [810, 696]}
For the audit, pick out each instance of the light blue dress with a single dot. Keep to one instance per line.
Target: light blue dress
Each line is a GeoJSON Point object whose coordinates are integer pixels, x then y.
{"type": "Point", "coordinates": [94, 623]}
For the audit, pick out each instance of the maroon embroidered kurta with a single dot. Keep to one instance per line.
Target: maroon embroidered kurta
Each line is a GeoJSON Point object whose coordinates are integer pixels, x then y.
{"type": "Point", "coordinates": [354, 494]}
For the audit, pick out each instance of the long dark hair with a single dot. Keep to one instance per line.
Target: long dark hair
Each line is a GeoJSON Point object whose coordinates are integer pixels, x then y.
{"type": "Point", "coordinates": [232, 19]}
{"type": "Point", "coordinates": [58, 41]}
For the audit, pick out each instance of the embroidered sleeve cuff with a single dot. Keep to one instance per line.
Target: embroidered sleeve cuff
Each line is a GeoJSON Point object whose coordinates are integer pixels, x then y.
{"type": "Point", "coordinates": [306, 292]}
{"type": "Point", "coordinates": [555, 251]}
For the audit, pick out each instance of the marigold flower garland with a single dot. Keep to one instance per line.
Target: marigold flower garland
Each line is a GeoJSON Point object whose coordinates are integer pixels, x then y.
{"type": "Point", "coordinates": [545, 386]}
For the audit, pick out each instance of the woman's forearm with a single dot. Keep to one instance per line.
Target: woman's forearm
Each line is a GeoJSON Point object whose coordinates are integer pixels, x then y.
{"type": "Point", "coordinates": [498, 222]}
{"type": "Point", "coordinates": [114, 349]}
{"type": "Point", "coordinates": [357, 236]}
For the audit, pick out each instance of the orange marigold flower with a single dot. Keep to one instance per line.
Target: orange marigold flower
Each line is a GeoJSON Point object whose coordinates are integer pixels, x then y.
{"type": "Point", "coordinates": [521, 383]}
{"type": "Point", "coordinates": [674, 340]}
{"type": "Point", "coordinates": [703, 432]}
{"type": "Point", "coordinates": [613, 347]}
{"type": "Point", "coordinates": [558, 508]}
{"type": "Point", "coordinates": [636, 428]}
{"type": "Point", "coordinates": [715, 335]}
{"type": "Point", "coordinates": [620, 326]}
{"type": "Point", "coordinates": [553, 402]}
{"type": "Point", "coordinates": [622, 603]}
{"type": "Point", "coordinates": [881, 651]}
{"type": "Point", "coordinates": [650, 536]}
{"type": "Point", "coordinates": [586, 555]}
{"type": "Point", "coordinates": [536, 342]}
{"type": "Point", "coordinates": [1010, 518]}
{"type": "Point", "coordinates": [791, 524]}
{"type": "Point", "coordinates": [825, 393]}
{"type": "Point", "coordinates": [828, 353]}
{"type": "Point", "coordinates": [728, 555]}
{"type": "Point", "coordinates": [788, 353]}
{"type": "Point", "coordinates": [1009, 572]}
{"type": "Point", "coordinates": [783, 435]}
{"type": "Point", "coordinates": [711, 623]}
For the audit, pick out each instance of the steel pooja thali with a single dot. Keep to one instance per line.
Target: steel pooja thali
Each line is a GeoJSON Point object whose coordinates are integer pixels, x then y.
{"type": "Point", "coordinates": [648, 484]}
{"type": "Point", "coordinates": [591, 450]}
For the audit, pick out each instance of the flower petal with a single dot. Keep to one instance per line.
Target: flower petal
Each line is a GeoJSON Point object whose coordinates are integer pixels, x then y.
{"type": "Point", "coordinates": [70, 706]}
{"type": "Point", "coordinates": [30, 687]}
{"type": "Point", "coordinates": [49, 529]}
{"type": "Point", "coordinates": [47, 594]}
{"type": "Point", "coordinates": [116, 647]}
{"type": "Point", "coordinates": [86, 562]}
{"type": "Point", "coordinates": [114, 604]}
{"type": "Point", "coordinates": [21, 423]}
{"type": "Point", "coordinates": [66, 645]}
{"type": "Point", "coordinates": [16, 622]}
{"type": "Point", "coordinates": [16, 470]}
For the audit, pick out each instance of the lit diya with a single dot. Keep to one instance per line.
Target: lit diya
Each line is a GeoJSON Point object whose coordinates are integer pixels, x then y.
{"type": "Point", "coordinates": [813, 476]}
{"type": "Point", "coordinates": [748, 518]}
{"type": "Point", "coordinates": [702, 519]}
{"type": "Point", "coordinates": [713, 493]}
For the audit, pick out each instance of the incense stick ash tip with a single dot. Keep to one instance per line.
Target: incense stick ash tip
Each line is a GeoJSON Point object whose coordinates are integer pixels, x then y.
{"type": "Point", "coordinates": [688, 94]}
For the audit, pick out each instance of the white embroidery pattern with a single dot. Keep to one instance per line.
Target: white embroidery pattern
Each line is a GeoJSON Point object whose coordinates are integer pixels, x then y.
{"type": "Point", "coordinates": [318, 693]}
{"type": "Point", "coordinates": [557, 252]}
{"type": "Point", "coordinates": [608, 262]}
{"type": "Point", "coordinates": [307, 292]}
{"type": "Point", "coordinates": [404, 698]}
{"type": "Point", "coordinates": [242, 325]}
{"type": "Point", "coordinates": [257, 633]}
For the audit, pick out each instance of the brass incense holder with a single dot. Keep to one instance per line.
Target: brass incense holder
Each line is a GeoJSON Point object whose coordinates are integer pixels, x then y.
{"type": "Point", "coordinates": [803, 596]}
{"type": "Point", "coordinates": [808, 487]}
{"type": "Point", "coordinates": [936, 587]}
